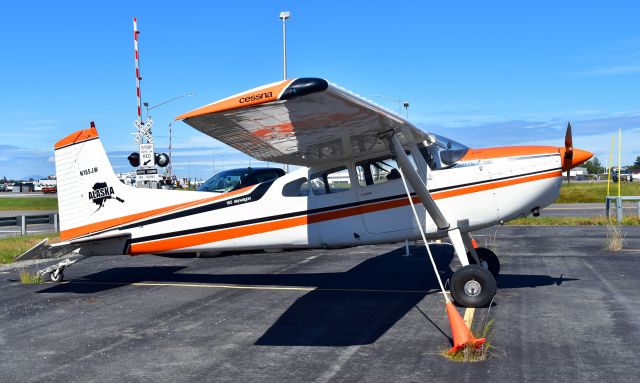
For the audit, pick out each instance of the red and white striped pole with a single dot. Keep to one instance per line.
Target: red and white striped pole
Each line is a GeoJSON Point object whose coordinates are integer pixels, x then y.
{"type": "Point", "coordinates": [138, 78]}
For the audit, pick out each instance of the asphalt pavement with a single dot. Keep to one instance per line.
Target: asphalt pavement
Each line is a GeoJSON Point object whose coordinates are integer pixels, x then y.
{"type": "Point", "coordinates": [566, 311]}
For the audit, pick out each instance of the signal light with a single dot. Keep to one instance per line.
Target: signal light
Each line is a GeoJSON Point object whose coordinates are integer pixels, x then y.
{"type": "Point", "coordinates": [134, 159]}
{"type": "Point", "coordinates": [162, 159]}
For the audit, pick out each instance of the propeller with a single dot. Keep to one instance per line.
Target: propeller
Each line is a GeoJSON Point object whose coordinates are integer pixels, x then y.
{"type": "Point", "coordinates": [568, 151]}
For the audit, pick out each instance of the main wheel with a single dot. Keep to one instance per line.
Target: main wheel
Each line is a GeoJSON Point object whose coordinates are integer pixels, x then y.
{"type": "Point", "coordinates": [473, 286]}
{"type": "Point", "coordinates": [56, 276]}
{"type": "Point", "coordinates": [488, 260]}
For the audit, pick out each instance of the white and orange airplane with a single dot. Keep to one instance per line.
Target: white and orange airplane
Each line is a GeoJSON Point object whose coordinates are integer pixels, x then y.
{"type": "Point", "coordinates": [354, 157]}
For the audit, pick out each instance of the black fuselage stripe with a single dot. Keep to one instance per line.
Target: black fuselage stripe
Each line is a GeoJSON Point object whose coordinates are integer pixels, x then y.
{"type": "Point", "coordinates": [255, 195]}
{"type": "Point", "coordinates": [312, 211]}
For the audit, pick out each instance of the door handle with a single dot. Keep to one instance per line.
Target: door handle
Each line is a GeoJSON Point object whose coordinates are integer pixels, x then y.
{"type": "Point", "coordinates": [365, 193]}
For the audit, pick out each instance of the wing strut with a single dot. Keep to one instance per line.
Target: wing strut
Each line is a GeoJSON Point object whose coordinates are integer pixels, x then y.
{"type": "Point", "coordinates": [415, 181]}
{"type": "Point", "coordinates": [425, 197]}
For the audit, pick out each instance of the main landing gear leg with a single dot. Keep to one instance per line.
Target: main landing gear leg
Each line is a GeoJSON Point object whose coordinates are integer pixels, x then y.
{"type": "Point", "coordinates": [471, 285]}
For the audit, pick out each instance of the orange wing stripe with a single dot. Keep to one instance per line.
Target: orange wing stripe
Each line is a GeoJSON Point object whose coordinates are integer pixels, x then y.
{"type": "Point", "coordinates": [93, 227]}
{"type": "Point", "coordinates": [225, 234]}
{"type": "Point", "coordinates": [255, 97]}
{"type": "Point", "coordinates": [76, 137]}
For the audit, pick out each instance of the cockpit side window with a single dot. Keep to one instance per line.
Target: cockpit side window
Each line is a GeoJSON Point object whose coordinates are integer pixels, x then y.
{"type": "Point", "coordinates": [379, 170]}
{"type": "Point", "coordinates": [443, 153]}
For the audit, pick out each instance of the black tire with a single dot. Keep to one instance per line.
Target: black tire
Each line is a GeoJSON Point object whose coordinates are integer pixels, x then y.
{"type": "Point", "coordinates": [488, 260]}
{"type": "Point", "coordinates": [473, 286]}
{"type": "Point", "coordinates": [56, 278]}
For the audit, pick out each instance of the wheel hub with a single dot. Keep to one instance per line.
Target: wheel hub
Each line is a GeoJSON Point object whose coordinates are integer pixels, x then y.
{"type": "Point", "coordinates": [472, 288]}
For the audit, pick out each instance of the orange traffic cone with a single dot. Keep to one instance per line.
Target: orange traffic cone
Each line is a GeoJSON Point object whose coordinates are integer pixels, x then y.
{"type": "Point", "coordinates": [462, 335]}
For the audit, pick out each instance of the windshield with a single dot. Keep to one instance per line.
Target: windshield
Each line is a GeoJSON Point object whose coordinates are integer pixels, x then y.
{"type": "Point", "coordinates": [225, 181]}
{"type": "Point", "coordinates": [443, 153]}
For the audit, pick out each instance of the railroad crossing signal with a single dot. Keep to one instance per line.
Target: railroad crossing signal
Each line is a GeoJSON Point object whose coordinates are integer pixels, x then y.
{"type": "Point", "coordinates": [143, 131]}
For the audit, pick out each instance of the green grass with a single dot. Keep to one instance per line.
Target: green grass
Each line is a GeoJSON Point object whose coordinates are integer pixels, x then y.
{"type": "Point", "coordinates": [582, 192]}
{"type": "Point", "coordinates": [28, 203]}
{"type": "Point", "coordinates": [12, 247]}
{"type": "Point", "coordinates": [28, 278]}
{"type": "Point", "coordinates": [572, 221]}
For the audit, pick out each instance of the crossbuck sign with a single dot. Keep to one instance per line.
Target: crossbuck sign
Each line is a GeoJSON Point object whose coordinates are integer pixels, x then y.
{"type": "Point", "coordinates": [143, 131]}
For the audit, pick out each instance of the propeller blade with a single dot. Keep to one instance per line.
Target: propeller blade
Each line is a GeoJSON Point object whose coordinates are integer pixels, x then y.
{"type": "Point", "coordinates": [568, 146]}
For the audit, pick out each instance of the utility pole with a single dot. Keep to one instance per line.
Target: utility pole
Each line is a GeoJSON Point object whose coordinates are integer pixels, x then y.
{"type": "Point", "coordinates": [284, 16]}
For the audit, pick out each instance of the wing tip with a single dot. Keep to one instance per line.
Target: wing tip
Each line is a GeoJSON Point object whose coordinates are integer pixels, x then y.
{"type": "Point", "coordinates": [304, 86]}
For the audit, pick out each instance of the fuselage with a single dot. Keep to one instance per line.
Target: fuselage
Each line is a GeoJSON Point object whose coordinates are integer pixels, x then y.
{"type": "Point", "coordinates": [339, 204]}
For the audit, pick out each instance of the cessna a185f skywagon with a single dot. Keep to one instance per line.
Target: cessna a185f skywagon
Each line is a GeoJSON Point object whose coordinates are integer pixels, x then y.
{"type": "Point", "coordinates": [355, 159]}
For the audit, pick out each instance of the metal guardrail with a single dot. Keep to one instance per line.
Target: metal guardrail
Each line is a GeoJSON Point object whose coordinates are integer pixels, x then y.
{"type": "Point", "coordinates": [24, 220]}
{"type": "Point", "coordinates": [618, 202]}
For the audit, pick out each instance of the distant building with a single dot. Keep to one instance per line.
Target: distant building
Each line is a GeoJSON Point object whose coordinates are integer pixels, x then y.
{"type": "Point", "coordinates": [577, 174]}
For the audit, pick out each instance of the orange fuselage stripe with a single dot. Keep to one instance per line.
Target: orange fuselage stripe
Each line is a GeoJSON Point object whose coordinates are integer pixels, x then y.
{"type": "Point", "coordinates": [507, 151]}
{"type": "Point", "coordinates": [110, 223]}
{"type": "Point", "coordinates": [237, 232]}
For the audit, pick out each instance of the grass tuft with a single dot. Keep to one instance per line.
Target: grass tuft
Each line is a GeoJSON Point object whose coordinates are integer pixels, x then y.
{"type": "Point", "coordinates": [469, 353]}
{"type": "Point", "coordinates": [614, 239]}
{"type": "Point", "coordinates": [491, 242]}
{"type": "Point", "coordinates": [28, 278]}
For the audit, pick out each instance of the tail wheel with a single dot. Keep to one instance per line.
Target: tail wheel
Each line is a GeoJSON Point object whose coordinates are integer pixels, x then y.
{"type": "Point", "coordinates": [473, 286]}
{"type": "Point", "coordinates": [56, 276]}
{"type": "Point", "coordinates": [488, 260]}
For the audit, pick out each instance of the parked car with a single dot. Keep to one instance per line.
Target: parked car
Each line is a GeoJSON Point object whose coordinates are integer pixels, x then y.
{"type": "Point", "coordinates": [625, 175]}
{"type": "Point", "coordinates": [235, 179]}
{"type": "Point", "coordinates": [49, 190]}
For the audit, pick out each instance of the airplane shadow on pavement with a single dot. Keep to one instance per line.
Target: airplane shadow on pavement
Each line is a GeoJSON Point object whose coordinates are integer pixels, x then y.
{"type": "Point", "coordinates": [353, 307]}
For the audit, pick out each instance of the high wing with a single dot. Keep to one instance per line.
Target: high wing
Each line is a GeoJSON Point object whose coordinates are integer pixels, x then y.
{"type": "Point", "coordinates": [304, 121]}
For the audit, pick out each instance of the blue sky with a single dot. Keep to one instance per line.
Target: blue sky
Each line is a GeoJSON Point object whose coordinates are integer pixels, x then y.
{"type": "Point", "coordinates": [483, 73]}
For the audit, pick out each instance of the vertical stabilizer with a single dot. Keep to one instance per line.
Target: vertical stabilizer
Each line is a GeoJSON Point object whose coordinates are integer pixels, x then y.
{"type": "Point", "coordinates": [88, 189]}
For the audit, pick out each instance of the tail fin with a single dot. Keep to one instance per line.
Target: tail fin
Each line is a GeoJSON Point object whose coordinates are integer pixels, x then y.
{"type": "Point", "coordinates": [88, 190]}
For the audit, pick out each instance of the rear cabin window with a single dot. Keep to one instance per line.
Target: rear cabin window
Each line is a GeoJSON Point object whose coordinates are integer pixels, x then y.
{"type": "Point", "coordinates": [379, 170]}
{"type": "Point", "coordinates": [297, 188]}
{"type": "Point", "coordinates": [334, 180]}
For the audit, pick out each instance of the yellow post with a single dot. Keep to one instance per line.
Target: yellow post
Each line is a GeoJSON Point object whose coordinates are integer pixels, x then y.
{"type": "Point", "coordinates": [619, 151]}
{"type": "Point", "coordinates": [610, 166]}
